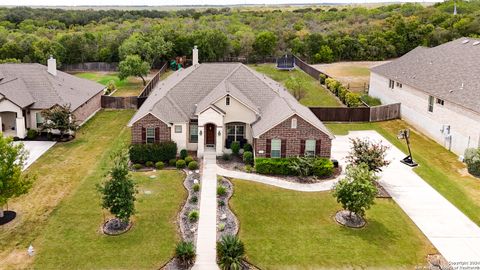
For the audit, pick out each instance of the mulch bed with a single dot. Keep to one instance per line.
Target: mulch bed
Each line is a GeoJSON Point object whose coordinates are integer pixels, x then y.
{"type": "Point", "coordinates": [344, 218]}
{"type": "Point", "coordinates": [237, 164]}
{"type": "Point", "coordinates": [224, 214]}
{"type": "Point", "coordinates": [7, 217]}
{"type": "Point", "coordinates": [116, 227]}
{"type": "Point", "coordinates": [189, 229]}
{"type": "Point", "coordinates": [438, 262]}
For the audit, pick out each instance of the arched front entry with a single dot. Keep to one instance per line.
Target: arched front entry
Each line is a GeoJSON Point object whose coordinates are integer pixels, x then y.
{"type": "Point", "coordinates": [210, 135]}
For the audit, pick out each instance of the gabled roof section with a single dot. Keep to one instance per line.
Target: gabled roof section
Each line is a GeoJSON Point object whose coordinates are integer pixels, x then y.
{"type": "Point", "coordinates": [32, 85]}
{"type": "Point", "coordinates": [450, 71]}
{"type": "Point", "coordinates": [195, 89]}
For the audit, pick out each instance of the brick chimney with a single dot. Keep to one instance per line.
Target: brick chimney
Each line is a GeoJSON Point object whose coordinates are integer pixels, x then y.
{"type": "Point", "coordinates": [52, 66]}
{"type": "Point", "coordinates": [195, 56]}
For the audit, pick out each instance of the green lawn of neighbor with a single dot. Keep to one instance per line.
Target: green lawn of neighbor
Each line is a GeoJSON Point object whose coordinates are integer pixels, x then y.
{"type": "Point", "coordinates": [72, 239]}
{"type": "Point", "coordinates": [132, 86]}
{"type": "Point", "coordinates": [316, 94]}
{"type": "Point", "coordinates": [438, 166]}
{"type": "Point", "coordinates": [284, 229]}
{"type": "Point", "coordinates": [64, 169]}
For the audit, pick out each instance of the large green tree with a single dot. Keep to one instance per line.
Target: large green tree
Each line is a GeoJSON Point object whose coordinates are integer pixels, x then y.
{"type": "Point", "coordinates": [13, 182]}
{"type": "Point", "coordinates": [59, 118]}
{"type": "Point", "coordinates": [133, 65]}
{"type": "Point", "coordinates": [265, 43]}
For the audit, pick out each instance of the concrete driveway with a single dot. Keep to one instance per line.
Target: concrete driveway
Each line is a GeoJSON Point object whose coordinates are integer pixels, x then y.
{"type": "Point", "coordinates": [454, 235]}
{"type": "Point", "coordinates": [35, 150]}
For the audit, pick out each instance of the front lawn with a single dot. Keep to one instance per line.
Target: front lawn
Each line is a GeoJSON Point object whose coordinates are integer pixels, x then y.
{"type": "Point", "coordinates": [60, 172]}
{"type": "Point", "coordinates": [438, 167]}
{"type": "Point", "coordinates": [73, 239]}
{"type": "Point", "coordinates": [285, 229]}
{"type": "Point", "coordinates": [132, 86]}
{"type": "Point", "coordinates": [316, 94]}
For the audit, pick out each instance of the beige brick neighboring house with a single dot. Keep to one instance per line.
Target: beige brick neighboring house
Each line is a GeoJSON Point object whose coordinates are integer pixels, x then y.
{"type": "Point", "coordinates": [208, 106]}
{"type": "Point", "coordinates": [27, 89]}
{"type": "Point", "coordinates": [439, 89]}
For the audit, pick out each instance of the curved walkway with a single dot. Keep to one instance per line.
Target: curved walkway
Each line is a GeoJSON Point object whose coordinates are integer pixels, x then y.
{"type": "Point", "coordinates": [273, 181]}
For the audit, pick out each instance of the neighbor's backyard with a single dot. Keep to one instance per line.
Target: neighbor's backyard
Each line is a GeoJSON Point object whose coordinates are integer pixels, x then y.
{"type": "Point", "coordinates": [285, 229]}
{"type": "Point", "coordinates": [61, 215]}
{"type": "Point", "coordinates": [437, 166]}
{"type": "Point", "coordinates": [316, 94]}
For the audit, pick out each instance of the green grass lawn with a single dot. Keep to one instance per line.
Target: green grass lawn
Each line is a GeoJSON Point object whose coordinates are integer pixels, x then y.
{"type": "Point", "coordinates": [438, 166]}
{"type": "Point", "coordinates": [132, 86]}
{"type": "Point", "coordinates": [65, 168]}
{"type": "Point", "coordinates": [285, 229]}
{"type": "Point", "coordinates": [316, 95]}
{"type": "Point", "coordinates": [72, 239]}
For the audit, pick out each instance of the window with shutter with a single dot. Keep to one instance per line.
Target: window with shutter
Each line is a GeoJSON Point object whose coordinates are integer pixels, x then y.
{"type": "Point", "coordinates": [310, 148]}
{"type": "Point", "coordinates": [150, 135]}
{"type": "Point", "coordinates": [276, 148]}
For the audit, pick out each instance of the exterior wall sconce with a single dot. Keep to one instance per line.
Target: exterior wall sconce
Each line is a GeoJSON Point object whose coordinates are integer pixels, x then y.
{"type": "Point", "coordinates": [219, 133]}
{"type": "Point", "coordinates": [200, 133]}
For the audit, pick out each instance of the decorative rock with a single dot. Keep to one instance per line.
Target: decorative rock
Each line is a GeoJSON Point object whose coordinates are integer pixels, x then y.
{"type": "Point", "coordinates": [148, 192]}
{"type": "Point", "coordinates": [195, 181]}
{"type": "Point", "coordinates": [193, 229]}
{"type": "Point", "coordinates": [223, 217]}
{"type": "Point", "coordinates": [190, 172]}
{"type": "Point", "coordinates": [197, 171]}
{"type": "Point", "coordinates": [153, 176]}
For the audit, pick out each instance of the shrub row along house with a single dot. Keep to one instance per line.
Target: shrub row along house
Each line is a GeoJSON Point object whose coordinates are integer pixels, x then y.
{"type": "Point", "coordinates": [439, 89]}
{"type": "Point", "coordinates": [27, 89]}
{"type": "Point", "coordinates": [208, 106]}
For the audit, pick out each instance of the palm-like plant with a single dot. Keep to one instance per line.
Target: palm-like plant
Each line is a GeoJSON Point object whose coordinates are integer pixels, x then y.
{"type": "Point", "coordinates": [185, 253]}
{"type": "Point", "coordinates": [230, 252]}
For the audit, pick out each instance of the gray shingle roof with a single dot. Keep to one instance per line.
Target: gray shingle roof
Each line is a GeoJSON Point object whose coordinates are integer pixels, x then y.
{"type": "Point", "coordinates": [450, 71]}
{"type": "Point", "coordinates": [194, 89]}
{"type": "Point", "coordinates": [31, 84]}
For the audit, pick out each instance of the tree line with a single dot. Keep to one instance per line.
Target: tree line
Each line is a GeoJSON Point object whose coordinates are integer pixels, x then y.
{"type": "Point", "coordinates": [317, 34]}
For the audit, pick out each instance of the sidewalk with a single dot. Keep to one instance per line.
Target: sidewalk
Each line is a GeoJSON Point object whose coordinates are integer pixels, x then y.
{"type": "Point", "coordinates": [207, 227]}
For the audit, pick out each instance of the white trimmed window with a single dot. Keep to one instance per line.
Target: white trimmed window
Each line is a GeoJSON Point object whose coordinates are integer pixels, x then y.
{"type": "Point", "coordinates": [150, 135]}
{"type": "Point", "coordinates": [294, 123]}
{"type": "Point", "coordinates": [310, 146]}
{"type": "Point", "coordinates": [430, 103]}
{"type": "Point", "coordinates": [276, 148]}
{"type": "Point", "coordinates": [39, 119]}
{"type": "Point", "coordinates": [194, 132]}
{"type": "Point", "coordinates": [178, 129]}
{"type": "Point", "coordinates": [391, 84]}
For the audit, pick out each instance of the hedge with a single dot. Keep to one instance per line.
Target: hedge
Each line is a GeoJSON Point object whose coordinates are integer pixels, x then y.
{"type": "Point", "coordinates": [320, 167]}
{"type": "Point", "coordinates": [164, 151]}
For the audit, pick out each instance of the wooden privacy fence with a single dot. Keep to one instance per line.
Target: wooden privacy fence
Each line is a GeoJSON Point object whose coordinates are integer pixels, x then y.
{"type": "Point", "coordinates": [91, 66]}
{"type": "Point", "coordinates": [109, 102]}
{"type": "Point", "coordinates": [313, 72]}
{"type": "Point", "coordinates": [362, 114]}
{"type": "Point", "coordinates": [150, 86]}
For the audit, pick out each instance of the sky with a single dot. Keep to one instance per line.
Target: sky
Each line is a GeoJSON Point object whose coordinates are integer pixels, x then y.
{"type": "Point", "coordinates": [176, 2]}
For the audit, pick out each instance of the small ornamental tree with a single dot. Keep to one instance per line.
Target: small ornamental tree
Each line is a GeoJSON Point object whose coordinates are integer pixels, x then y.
{"type": "Point", "coordinates": [472, 159]}
{"type": "Point", "coordinates": [356, 192]}
{"type": "Point", "coordinates": [59, 118]}
{"type": "Point", "coordinates": [371, 154]}
{"type": "Point", "coordinates": [118, 191]}
{"type": "Point", "coordinates": [134, 66]}
{"type": "Point", "coordinates": [297, 87]}
{"type": "Point", "coordinates": [12, 182]}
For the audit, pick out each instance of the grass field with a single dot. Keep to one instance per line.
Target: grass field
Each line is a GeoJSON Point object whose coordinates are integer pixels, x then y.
{"type": "Point", "coordinates": [79, 244]}
{"type": "Point", "coordinates": [316, 95]}
{"type": "Point", "coordinates": [132, 86]}
{"type": "Point", "coordinates": [285, 229]}
{"type": "Point", "coordinates": [353, 74]}
{"type": "Point", "coordinates": [438, 166]}
{"type": "Point", "coordinates": [61, 172]}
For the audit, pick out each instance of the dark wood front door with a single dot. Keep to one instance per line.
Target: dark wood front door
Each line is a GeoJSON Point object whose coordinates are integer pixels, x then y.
{"type": "Point", "coordinates": [210, 138]}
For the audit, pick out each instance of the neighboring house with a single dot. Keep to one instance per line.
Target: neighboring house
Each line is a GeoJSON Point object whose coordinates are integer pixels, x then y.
{"type": "Point", "coordinates": [27, 89]}
{"type": "Point", "coordinates": [439, 89]}
{"type": "Point", "coordinates": [211, 105]}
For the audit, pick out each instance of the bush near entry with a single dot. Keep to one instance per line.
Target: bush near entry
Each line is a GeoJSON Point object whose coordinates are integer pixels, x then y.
{"type": "Point", "coordinates": [164, 151]}
{"type": "Point", "coordinates": [320, 167]}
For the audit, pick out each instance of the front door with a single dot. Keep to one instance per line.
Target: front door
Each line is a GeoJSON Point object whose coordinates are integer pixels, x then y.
{"type": "Point", "coordinates": [210, 138]}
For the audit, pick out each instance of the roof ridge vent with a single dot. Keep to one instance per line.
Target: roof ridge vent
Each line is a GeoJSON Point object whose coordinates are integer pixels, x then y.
{"type": "Point", "coordinates": [465, 41]}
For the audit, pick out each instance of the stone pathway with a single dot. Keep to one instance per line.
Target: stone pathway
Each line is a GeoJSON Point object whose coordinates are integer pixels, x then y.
{"type": "Point", "coordinates": [207, 227]}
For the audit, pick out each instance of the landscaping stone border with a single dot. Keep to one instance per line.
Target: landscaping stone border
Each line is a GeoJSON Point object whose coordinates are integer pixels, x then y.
{"type": "Point", "coordinates": [8, 216]}
{"type": "Point", "coordinates": [342, 217]}
{"type": "Point", "coordinates": [224, 214]}
{"type": "Point", "coordinates": [187, 228]}
{"type": "Point", "coordinates": [115, 233]}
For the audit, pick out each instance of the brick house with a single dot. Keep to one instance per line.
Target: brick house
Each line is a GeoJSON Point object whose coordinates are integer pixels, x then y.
{"type": "Point", "coordinates": [208, 106]}
{"type": "Point", "coordinates": [27, 89]}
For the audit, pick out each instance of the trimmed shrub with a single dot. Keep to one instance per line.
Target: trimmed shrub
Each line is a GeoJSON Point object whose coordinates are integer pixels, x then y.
{"type": "Point", "coordinates": [342, 93]}
{"type": "Point", "coordinates": [32, 134]}
{"type": "Point", "coordinates": [230, 252]}
{"type": "Point", "coordinates": [248, 168]}
{"type": "Point", "coordinates": [248, 157]}
{"type": "Point", "coordinates": [322, 77]}
{"type": "Point", "coordinates": [322, 167]}
{"type": "Point", "coordinates": [196, 187]}
{"type": "Point", "coordinates": [193, 216]}
{"type": "Point", "coordinates": [221, 227]}
{"type": "Point", "coordinates": [221, 191]}
{"type": "Point", "coordinates": [221, 203]}
{"type": "Point", "coordinates": [247, 147]}
{"type": "Point", "coordinates": [235, 146]}
{"type": "Point", "coordinates": [371, 101]}
{"type": "Point", "coordinates": [194, 199]}
{"type": "Point", "coordinates": [180, 164]}
{"type": "Point", "coordinates": [185, 253]}
{"type": "Point", "coordinates": [226, 157]}
{"type": "Point", "coordinates": [472, 159]}
{"type": "Point", "coordinates": [159, 165]}
{"type": "Point", "coordinates": [137, 166]}
{"type": "Point", "coordinates": [352, 99]}
{"type": "Point", "coordinates": [183, 153]}
{"type": "Point", "coordinates": [149, 163]}
{"type": "Point", "coordinates": [279, 166]}
{"type": "Point", "coordinates": [172, 162]}
{"type": "Point", "coordinates": [141, 153]}
{"type": "Point", "coordinates": [193, 165]}
{"type": "Point", "coordinates": [189, 159]}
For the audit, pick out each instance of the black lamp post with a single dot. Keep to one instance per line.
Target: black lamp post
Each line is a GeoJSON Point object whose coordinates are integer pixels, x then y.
{"type": "Point", "coordinates": [408, 160]}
